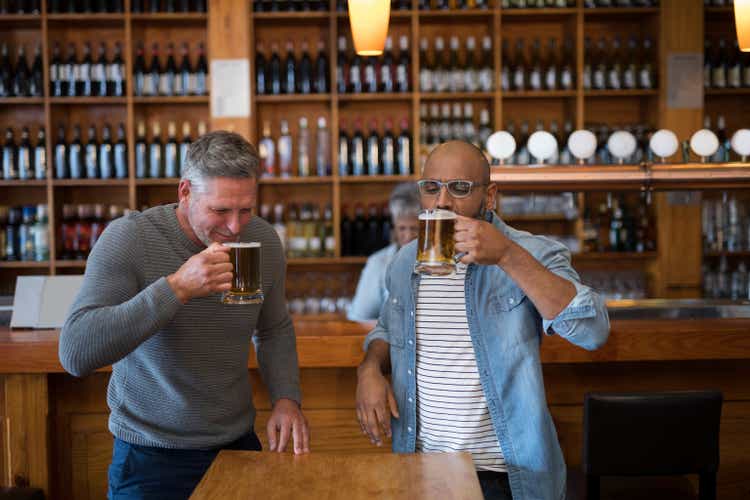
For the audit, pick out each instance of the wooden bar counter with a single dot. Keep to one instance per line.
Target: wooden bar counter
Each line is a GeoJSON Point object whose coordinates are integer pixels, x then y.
{"type": "Point", "coordinates": [54, 426]}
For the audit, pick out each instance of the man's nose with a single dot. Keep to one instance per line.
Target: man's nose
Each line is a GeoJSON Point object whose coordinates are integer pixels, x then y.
{"type": "Point", "coordinates": [234, 223]}
{"type": "Point", "coordinates": [445, 200]}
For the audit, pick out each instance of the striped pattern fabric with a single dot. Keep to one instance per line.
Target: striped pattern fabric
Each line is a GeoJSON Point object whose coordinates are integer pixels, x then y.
{"type": "Point", "coordinates": [452, 413]}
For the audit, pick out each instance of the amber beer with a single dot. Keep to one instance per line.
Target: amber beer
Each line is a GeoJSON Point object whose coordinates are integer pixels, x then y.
{"type": "Point", "coordinates": [435, 245]}
{"type": "Point", "coordinates": [246, 276]}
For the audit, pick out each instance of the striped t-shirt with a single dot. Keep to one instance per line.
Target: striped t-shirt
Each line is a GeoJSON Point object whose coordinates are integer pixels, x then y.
{"type": "Point", "coordinates": [452, 413]}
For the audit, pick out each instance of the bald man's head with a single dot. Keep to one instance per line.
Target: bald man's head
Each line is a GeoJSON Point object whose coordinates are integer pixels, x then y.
{"type": "Point", "coordinates": [461, 159]}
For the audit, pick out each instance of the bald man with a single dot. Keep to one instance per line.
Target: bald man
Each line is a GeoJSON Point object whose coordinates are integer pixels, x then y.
{"type": "Point", "coordinates": [463, 350]}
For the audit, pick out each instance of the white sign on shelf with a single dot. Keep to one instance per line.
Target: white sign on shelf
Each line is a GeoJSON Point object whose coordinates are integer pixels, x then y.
{"type": "Point", "coordinates": [230, 88]}
{"type": "Point", "coordinates": [43, 301]}
{"type": "Point", "coordinates": [685, 80]}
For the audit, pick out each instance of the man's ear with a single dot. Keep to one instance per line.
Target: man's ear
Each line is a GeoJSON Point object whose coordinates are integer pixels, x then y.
{"type": "Point", "coordinates": [491, 196]}
{"type": "Point", "coordinates": [184, 191]}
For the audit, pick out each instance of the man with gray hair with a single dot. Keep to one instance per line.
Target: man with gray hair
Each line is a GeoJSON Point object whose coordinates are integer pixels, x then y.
{"type": "Point", "coordinates": [404, 206]}
{"type": "Point", "coordinates": [150, 306]}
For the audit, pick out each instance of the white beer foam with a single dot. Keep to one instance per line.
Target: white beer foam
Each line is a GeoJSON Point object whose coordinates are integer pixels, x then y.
{"type": "Point", "coordinates": [437, 214]}
{"type": "Point", "coordinates": [253, 244]}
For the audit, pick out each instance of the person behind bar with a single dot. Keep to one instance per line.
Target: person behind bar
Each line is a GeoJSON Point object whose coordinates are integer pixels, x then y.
{"type": "Point", "coordinates": [463, 351]}
{"type": "Point", "coordinates": [150, 306]}
{"type": "Point", "coordinates": [371, 293]}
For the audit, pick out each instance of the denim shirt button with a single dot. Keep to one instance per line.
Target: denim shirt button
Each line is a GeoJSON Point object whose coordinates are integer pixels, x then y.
{"type": "Point", "coordinates": [411, 342]}
{"type": "Point", "coordinates": [411, 400]}
{"type": "Point", "coordinates": [511, 301]}
{"type": "Point", "coordinates": [408, 429]}
{"type": "Point", "coordinates": [395, 301]}
{"type": "Point", "coordinates": [408, 372]}
{"type": "Point", "coordinates": [412, 313]}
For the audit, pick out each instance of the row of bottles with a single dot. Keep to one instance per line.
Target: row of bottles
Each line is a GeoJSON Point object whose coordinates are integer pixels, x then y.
{"type": "Point", "coordinates": [279, 156]}
{"type": "Point", "coordinates": [21, 80]}
{"type": "Point", "coordinates": [341, 5]}
{"type": "Point", "coordinates": [610, 284]}
{"type": "Point", "coordinates": [620, 226]}
{"type": "Point", "coordinates": [547, 69]}
{"type": "Point", "coordinates": [157, 160]}
{"type": "Point", "coordinates": [320, 293]}
{"type": "Point", "coordinates": [386, 73]}
{"type": "Point", "coordinates": [591, 4]}
{"type": "Point", "coordinates": [169, 79]}
{"type": "Point", "coordinates": [726, 224]}
{"type": "Point", "coordinates": [453, 122]}
{"type": "Point", "coordinates": [724, 282]}
{"type": "Point", "coordinates": [291, 76]}
{"type": "Point", "coordinates": [455, 70]}
{"type": "Point", "coordinates": [365, 232]}
{"type": "Point", "coordinates": [93, 159]}
{"type": "Point", "coordinates": [24, 161]}
{"type": "Point", "coordinates": [81, 227]}
{"type": "Point", "coordinates": [619, 67]}
{"type": "Point", "coordinates": [24, 233]}
{"type": "Point", "coordinates": [87, 77]}
{"type": "Point", "coordinates": [290, 5]}
{"type": "Point", "coordinates": [117, 6]}
{"type": "Point", "coordinates": [20, 6]}
{"type": "Point", "coordinates": [374, 155]}
{"type": "Point", "coordinates": [169, 6]}
{"type": "Point", "coordinates": [305, 229]}
{"type": "Point", "coordinates": [725, 66]}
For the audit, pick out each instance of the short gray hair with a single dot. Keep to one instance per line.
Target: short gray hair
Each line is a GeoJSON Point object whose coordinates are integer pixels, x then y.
{"type": "Point", "coordinates": [404, 201]}
{"type": "Point", "coordinates": [220, 154]}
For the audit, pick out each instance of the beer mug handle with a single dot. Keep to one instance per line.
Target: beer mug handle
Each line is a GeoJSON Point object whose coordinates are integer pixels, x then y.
{"type": "Point", "coordinates": [460, 255]}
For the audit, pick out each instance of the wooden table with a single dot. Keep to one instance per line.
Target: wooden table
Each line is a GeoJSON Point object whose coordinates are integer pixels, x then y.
{"type": "Point", "coordinates": [276, 476]}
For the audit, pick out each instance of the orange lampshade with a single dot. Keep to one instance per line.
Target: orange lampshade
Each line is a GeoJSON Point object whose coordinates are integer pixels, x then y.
{"type": "Point", "coordinates": [369, 22]}
{"type": "Point", "coordinates": [742, 21]}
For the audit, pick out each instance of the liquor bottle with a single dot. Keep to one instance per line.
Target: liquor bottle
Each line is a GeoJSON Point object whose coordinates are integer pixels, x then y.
{"type": "Point", "coordinates": [294, 233]}
{"type": "Point", "coordinates": [121, 154]}
{"type": "Point", "coordinates": [387, 68]}
{"type": "Point", "coordinates": [344, 152]}
{"type": "Point", "coordinates": [321, 81]}
{"type": "Point", "coordinates": [25, 237]}
{"type": "Point", "coordinates": [485, 129]}
{"type": "Point", "coordinates": [342, 67]}
{"type": "Point", "coordinates": [22, 76]}
{"type": "Point", "coordinates": [168, 76]}
{"type": "Point", "coordinates": [426, 65]}
{"type": "Point", "coordinates": [39, 156]}
{"type": "Point", "coordinates": [518, 70]}
{"type": "Point", "coordinates": [184, 145]}
{"type": "Point", "coordinates": [388, 149]}
{"type": "Point", "coordinates": [719, 66]}
{"type": "Point", "coordinates": [469, 131]}
{"type": "Point", "coordinates": [724, 149]}
{"type": "Point", "coordinates": [6, 72]}
{"type": "Point", "coordinates": [85, 85]}
{"type": "Point", "coordinates": [56, 79]}
{"type": "Point", "coordinates": [484, 76]}
{"type": "Point", "coordinates": [734, 67]}
{"type": "Point", "coordinates": [322, 149]}
{"type": "Point", "coordinates": [141, 152]}
{"type": "Point", "coordinates": [356, 74]}
{"type": "Point", "coordinates": [171, 159]}
{"type": "Point", "coordinates": [182, 79]}
{"type": "Point", "coordinates": [552, 67]}
{"type": "Point", "coordinates": [357, 160]}
{"type": "Point", "coordinates": [285, 150]}
{"type": "Point", "coordinates": [71, 70]}
{"type": "Point", "coordinates": [312, 231]}
{"type": "Point", "coordinates": [403, 65]}
{"type": "Point", "coordinates": [327, 234]}
{"type": "Point", "coordinates": [91, 154]}
{"type": "Point", "coordinates": [505, 68]}
{"type": "Point", "coordinates": [588, 67]}
{"type": "Point", "coordinates": [24, 167]}
{"type": "Point", "coordinates": [599, 65]}
{"type": "Point", "coordinates": [630, 69]}
{"type": "Point", "coordinates": [261, 70]}
{"type": "Point", "coordinates": [36, 80]}
{"type": "Point", "coordinates": [359, 231]}
{"type": "Point", "coordinates": [138, 6]}
{"type": "Point", "coordinates": [97, 224]}
{"type": "Point", "coordinates": [83, 232]}
{"type": "Point", "coordinates": [303, 149]}
{"type": "Point", "coordinates": [374, 235]}
{"type": "Point", "coordinates": [290, 71]}
{"type": "Point", "coordinates": [40, 231]}
{"type": "Point", "coordinates": [106, 154]}
{"type": "Point", "coordinates": [304, 75]}
{"type": "Point", "coordinates": [441, 67]}
{"type": "Point", "coordinates": [456, 72]}
{"type": "Point", "coordinates": [567, 69]}
{"type": "Point", "coordinates": [200, 77]}
{"type": "Point", "coordinates": [403, 149]}
{"type": "Point", "coordinates": [153, 77]}
{"type": "Point", "coordinates": [614, 73]}
{"type": "Point", "coordinates": [116, 74]}
{"type": "Point", "coordinates": [154, 6]}
{"type": "Point", "coordinates": [566, 156]}
{"type": "Point", "coordinates": [536, 73]}
{"type": "Point", "coordinates": [267, 151]}
{"type": "Point", "coordinates": [457, 123]}
{"type": "Point", "coordinates": [347, 232]}
{"type": "Point", "coordinates": [10, 156]}
{"type": "Point", "coordinates": [370, 72]}
{"type": "Point", "coordinates": [372, 151]}
{"type": "Point", "coordinates": [61, 155]}
{"type": "Point", "coordinates": [471, 71]}
{"type": "Point", "coordinates": [99, 73]}
{"type": "Point", "coordinates": [75, 155]}
{"type": "Point", "coordinates": [707, 64]}
{"type": "Point", "coordinates": [279, 226]}
{"type": "Point", "coordinates": [155, 153]}
{"type": "Point", "coordinates": [274, 76]}
{"type": "Point", "coordinates": [139, 73]}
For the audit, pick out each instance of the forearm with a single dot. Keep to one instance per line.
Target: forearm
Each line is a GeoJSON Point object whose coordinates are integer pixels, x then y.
{"type": "Point", "coordinates": [549, 292]}
{"type": "Point", "coordinates": [97, 335]}
{"type": "Point", "coordinates": [278, 364]}
{"type": "Point", "coordinates": [377, 357]}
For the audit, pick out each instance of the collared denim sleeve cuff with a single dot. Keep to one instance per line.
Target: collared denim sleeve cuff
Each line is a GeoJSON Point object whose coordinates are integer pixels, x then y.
{"type": "Point", "coordinates": [581, 307]}
{"type": "Point", "coordinates": [377, 333]}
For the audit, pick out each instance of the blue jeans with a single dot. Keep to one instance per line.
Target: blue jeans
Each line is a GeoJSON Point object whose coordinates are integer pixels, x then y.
{"type": "Point", "coordinates": [146, 473]}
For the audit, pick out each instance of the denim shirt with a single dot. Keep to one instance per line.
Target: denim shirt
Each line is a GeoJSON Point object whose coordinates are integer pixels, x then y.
{"type": "Point", "coordinates": [371, 291]}
{"type": "Point", "coordinates": [506, 331]}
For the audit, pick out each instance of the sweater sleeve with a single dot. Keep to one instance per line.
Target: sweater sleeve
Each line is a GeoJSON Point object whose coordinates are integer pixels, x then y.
{"type": "Point", "coordinates": [112, 315]}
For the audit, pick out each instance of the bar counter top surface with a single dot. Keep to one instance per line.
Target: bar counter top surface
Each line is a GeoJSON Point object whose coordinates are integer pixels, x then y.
{"type": "Point", "coordinates": [683, 330]}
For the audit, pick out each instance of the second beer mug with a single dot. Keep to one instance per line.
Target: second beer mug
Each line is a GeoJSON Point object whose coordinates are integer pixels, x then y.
{"type": "Point", "coordinates": [246, 277]}
{"type": "Point", "coordinates": [435, 245]}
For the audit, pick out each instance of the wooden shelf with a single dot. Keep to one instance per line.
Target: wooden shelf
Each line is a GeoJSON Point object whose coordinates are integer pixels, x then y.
{"type": "Point", "coordinates": [484, 14]}
{"type": "Point", "coordinates": [719, 10]}
{"type": "Point", "coordinates": [169, 181]}
{"type": "Point", "coordinates": [621, 93]}
{"type": "Point", "coordinates": [726, 253]}
{"type": "Point", "coordinates": [599, 256]}
{"type": "Point", "coordinates": [292, 16]}
{"type": "Point", "coordinates": [21, 19]}
{"type": "Point", "coordinates": [433, 96]}
{"type": "Point", "coordinates": [620, 11]}
{"type": "Point", "coordinates": [295, 180]}
{"type": "Point", "coordinates": [187, 99]}
{"type": "Point", "coordinates": [10, 101]}
{"type": "Point", "coordinates": [29, 183]}
{"type": "Point", "coordinates": [83, 18]}
{"type": "Point", "coordinates": [90, 182]}
{"type": "Point", "coordinates": [364, 179]}
{"type": "Point", "coordinates": [560, 11]}
{"type": "Point", "coordinates": [376, 96]}
{"type": "Point", "coordinates": [726, 92]}
{"type": "Point", "coordinates": [23, 264]}
{"type": "Point", "coordinates": [101, 101]}
{"type": "Point", "coordinates": [169, 16]}
{"type": "Point", "coordinates": [538, 94]}
{"type": "Point", "coordinates": [70, 263]}
{"type": "Point", "coordinates": [292, 98]}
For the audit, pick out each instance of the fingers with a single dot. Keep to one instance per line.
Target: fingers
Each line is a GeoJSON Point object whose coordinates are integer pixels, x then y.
{"type": "Point", "coordinates": [271, 432]}
{"type": "Point", "coordinates": [285, 430]}
{"type": "Point", "coordinates": [384, 418]}
{"type": "Point", "coordinates": [373, 430]}
{"type": "Point", "coordinates": [392, 403]}
{"type": "Point", "coordinates": [218, 247]}
{"type": "Point", "coordinates": [305, 435]}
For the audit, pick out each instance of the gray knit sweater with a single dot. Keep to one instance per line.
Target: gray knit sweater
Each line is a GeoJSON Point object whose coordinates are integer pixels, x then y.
{"type": "Point", "coordinates": [179, 372]}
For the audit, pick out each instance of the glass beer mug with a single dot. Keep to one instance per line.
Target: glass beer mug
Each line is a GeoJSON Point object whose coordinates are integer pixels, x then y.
{"type": "Point", "coordinates": [246, 275]}
{"type": "Point", "coordinates": [435, 244]}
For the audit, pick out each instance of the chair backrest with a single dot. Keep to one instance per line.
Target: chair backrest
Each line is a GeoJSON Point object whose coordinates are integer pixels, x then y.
{"type": "Point", "coordinates": [643, 434]}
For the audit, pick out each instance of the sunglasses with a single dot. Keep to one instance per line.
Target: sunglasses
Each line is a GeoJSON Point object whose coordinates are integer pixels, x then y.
{"type": "Point", "coordinates": [458, 188]}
